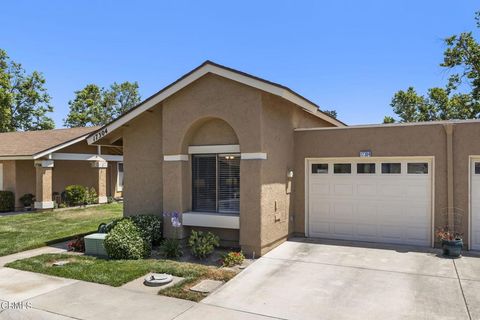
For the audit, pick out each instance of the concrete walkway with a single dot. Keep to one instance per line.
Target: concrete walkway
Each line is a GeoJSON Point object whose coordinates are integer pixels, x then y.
{"type": "Point", "coordinates": [54, 248]}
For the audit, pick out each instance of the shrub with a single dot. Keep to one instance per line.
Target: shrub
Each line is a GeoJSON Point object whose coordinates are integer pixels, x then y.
{"type": "Point", "coordinates": [232, 258]}
{"type": "Point", "coordinates": [124, 241]}
{"type": "Point", "coordinates": [7, 201]}
{"type": "Point", "coordinates": [171, 248]}
{"type": "Point", "coordinates": [150, 226]}
{"type": "Point", "coordinates": [76, 245]}
{"type": "Point", "coordinates": [75, 195]}
{"type": "Point", "coordinates": [202, 244]}
{"type": "Point", "coordinates": [91, 196]}
{"type": "Point", "coordinates": [27, 199]}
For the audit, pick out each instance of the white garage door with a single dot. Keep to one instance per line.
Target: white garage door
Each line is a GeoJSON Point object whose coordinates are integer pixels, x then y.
{"type": "Point", "coordinates": [475, 203]}
{"type": "Point", "coordinates": [371, 199]}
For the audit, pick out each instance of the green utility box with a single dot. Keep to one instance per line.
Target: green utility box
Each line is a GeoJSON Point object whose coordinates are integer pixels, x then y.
{"type": "Point", "coordinates": [94, 245]}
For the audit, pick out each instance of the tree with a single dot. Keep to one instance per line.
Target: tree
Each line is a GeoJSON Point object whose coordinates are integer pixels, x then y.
{"type": "Point", "coordinates": [331, 113]}
{"type": "Point", "coordinates": [24, 101]}
{"type": "Point", "coordinates": [94, 106]}
{"type": "Point", "coordinates": [461, 55]}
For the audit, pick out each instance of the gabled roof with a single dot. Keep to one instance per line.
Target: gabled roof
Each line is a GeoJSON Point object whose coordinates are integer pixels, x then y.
{"type": "Point", "coordinates": [232, 74]}
{"type": "Point", "coordinates": [36, 144]}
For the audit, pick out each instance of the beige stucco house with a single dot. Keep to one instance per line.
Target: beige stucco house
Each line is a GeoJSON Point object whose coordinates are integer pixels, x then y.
{"type": "Point", "coordinates": [44, 162]}
{"type": "Point", "coordinates": [255, 163]}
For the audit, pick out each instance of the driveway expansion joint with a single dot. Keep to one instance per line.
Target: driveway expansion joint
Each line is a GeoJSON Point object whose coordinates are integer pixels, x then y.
{"type": "Point", "coordinates": [361, 268]}
{"type": "Point", "coordinates": [461, 289]}
{"type": "Point", "coordinates": [243, 311]}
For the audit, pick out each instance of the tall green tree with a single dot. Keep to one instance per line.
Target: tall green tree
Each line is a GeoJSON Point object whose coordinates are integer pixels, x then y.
{"type": "Point", "coordinates": [459, 99]}
{"type": "Point", "coordinates": [24, 101]}
{"type": "Point", "coordinates": [94, 106]}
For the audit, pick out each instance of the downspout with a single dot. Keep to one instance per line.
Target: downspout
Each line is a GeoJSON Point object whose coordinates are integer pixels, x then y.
{"type": "Point", "coordinates": [450, 205]}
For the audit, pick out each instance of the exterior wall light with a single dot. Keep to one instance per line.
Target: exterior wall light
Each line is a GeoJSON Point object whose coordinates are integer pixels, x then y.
{"type": "Point", "coordinates": [290, 174]}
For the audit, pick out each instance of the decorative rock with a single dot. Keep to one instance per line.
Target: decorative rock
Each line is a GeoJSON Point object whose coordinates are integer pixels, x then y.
{"type": "Point", "coordinates": [206, 286]}
{"type": "Point", "coordinates": [157, 279]}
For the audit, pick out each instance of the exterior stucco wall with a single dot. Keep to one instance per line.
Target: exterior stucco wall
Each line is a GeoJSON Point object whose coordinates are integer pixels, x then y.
{"type": "Point", "coordinates": [143, 160]}
{"type": "Point", "coordinates": [227, 106]}
{"type": "Point", "coordinates": [465, 144]}
{"type": "Point", "coordinates": [279, 120]}
{"type": "Point", "coordinates": [25, 179]}
{"type": "Point", "coordinates": [388, 141]}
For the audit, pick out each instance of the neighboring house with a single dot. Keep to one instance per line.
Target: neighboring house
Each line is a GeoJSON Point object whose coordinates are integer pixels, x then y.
{"type": "Point", "coordinates": [43, 163]}
{"type": "Point", "coordinates": [255, 163]}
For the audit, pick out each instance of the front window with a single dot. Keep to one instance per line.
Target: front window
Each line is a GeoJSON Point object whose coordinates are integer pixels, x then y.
{"type": "Point", "coordinates": [216, 183]}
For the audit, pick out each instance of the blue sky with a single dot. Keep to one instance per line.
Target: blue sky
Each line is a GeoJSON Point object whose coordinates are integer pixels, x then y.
{"type": "Point", "coordinates": [345, 55]}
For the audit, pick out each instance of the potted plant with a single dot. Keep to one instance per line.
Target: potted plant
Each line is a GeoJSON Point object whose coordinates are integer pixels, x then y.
{"type": "Point", "coordinates": [452, 242]}
{"type": "Point", "coordinates": [27, 201]}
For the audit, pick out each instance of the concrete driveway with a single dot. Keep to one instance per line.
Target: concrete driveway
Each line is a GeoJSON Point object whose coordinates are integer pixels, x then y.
{"type": "Point", "coordinates": [338, 280]}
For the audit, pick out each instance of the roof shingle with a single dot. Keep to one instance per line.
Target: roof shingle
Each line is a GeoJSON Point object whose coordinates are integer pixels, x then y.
{"type": "Point", "coordinates": [29, 143]}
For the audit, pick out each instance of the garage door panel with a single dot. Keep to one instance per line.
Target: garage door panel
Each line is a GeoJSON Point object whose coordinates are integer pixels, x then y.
{"type": "Point", "coordinates": [475, 204]}
{"type": "Point", "coordinates": [343, 189]}
{"type": "Point", "coordinates": [320, 227]}
{"type": "Point", "coordinates": [320, 189]}
{"type": "Point", "coordinates": [416, 192]}
{"type": "Point", "coordinates": [367, 189]}
{"type": "Point", "coordinates": [417, 233]}
{"type": "Point", "coordinates": [367, 230]}
{"type": "Point", "coordinates": [391, 208]}
{"type": "Point", "coordinates": [343, 229]}
{"type": "Point", "coordinates": [391, 190]}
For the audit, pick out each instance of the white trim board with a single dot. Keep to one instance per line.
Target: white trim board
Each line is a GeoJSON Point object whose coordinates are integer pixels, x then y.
{"type": "Point", "coordinates": [253, 156]}
{"type": "Point", "coordinates": [176, 157]}
{"type": "Point", "coordinates": [85, 157]}
{"type": "Point", "coordinates": [212, 220]}
{"type": "Point", "coordinates": [226, 148]}
{"type": "Point", "coordinates": [205, 68]}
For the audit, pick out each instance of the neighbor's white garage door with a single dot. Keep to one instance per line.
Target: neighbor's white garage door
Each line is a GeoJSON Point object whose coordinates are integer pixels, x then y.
{"type": "Point", "coordinates": [367, 199]}
{"type": "Point", "coordinates": [475, 203]}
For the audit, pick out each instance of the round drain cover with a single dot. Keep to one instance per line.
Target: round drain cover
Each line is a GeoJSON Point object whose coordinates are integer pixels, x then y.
{"type": "Point", "coordinates": [157, 279]}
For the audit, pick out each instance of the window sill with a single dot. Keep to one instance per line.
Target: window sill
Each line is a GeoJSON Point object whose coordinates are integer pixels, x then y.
{"type": "Point", "coordinates": [211, 220]}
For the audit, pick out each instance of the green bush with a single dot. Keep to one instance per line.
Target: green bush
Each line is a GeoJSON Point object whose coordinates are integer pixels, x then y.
{"type": "Point", "coordinates": [171, 248]}
{"type": "Point", "coordinates": [125, 241]}
{"type": "Point", "coordinates": [27, 199]}
{"type": "Point", "coordinates": [202, 244]}
{"type": "Point", "coordinates": [150, 226]}
{"type": "Point", "coordinates": [232, 258]}
{"type": "Point", "coordinates": [91, 196]}
{"type": "Point", "coordinates": [7, 201]}
{"type": "Point", "coordinates": [77, 195]}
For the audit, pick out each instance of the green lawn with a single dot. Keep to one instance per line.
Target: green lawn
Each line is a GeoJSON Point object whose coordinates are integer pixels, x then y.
{"type": "Point", "coordinates": [32, 230]}
{"type": "Point", "coordinates": [119, 272]}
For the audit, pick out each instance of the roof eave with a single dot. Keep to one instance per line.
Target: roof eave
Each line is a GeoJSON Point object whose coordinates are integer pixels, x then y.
{"type": "Point", "coordinates": [205, 68]}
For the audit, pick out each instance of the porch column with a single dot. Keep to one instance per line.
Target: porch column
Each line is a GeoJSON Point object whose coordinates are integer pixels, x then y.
{"type": "Point", "coordinates": [101, 180]}
{"type": "Point", "coordinates": [44, 179]}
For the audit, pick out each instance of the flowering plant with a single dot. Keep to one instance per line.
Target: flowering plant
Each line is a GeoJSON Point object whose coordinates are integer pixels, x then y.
{"type": "Point", "coordinates": [76, 245]}
{"type": "Point", "coordinates": [445, 233]}
{"type": "Point", "coordinates": [171, 247]}
{"type": "Point", "coordinates": [232, 258]}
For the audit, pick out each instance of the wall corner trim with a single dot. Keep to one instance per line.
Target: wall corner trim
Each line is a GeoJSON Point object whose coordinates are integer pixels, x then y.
{"type": "Point", "coordinates": [176, 157]}
{"type": "Point", "coordinates": [253, 156]}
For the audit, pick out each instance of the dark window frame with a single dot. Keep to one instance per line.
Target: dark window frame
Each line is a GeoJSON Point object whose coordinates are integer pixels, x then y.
{"type": "Point", "coordinates": [220, 180]}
